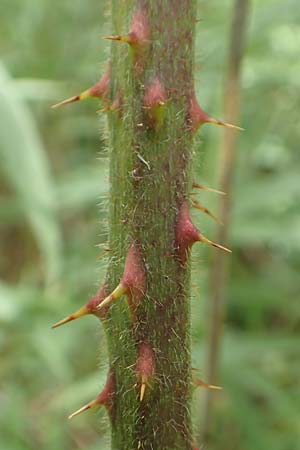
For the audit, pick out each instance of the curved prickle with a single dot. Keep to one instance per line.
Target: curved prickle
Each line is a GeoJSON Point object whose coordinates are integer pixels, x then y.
{"type": "Point", "coordinates": [198, 117]}
{"type": "Point", "coordinates": [105, 398]}
{"type": "Point", "coordinates": [133, 282]}
{"type": "Point", "coordinates": [115, 295]}
{"type": "Point", "coordinates": [83, 311]}
{"type": "Point", "coordinates": [186, 234]}
{"type": "Point", "coordinates": [99, 90]}
{"type": "Point", "coordinates": [89, 308]}
{"type": "Point", "coordinates": [139, 34]}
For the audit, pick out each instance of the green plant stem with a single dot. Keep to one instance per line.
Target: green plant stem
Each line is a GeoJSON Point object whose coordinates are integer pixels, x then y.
{"type": "Point", "coordinates": [150, 179]}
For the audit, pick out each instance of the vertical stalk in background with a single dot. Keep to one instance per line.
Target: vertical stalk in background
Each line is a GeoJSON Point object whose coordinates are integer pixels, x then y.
{"type": "Point", "coordinates": [219, 269]}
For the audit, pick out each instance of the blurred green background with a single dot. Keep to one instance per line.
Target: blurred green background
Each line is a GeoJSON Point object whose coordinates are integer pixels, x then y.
{"type": "Point", "coordinates": [53, 214]}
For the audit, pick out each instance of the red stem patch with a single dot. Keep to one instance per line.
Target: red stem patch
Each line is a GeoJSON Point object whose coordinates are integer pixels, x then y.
{"type": "Point", "coordinates": [134, 278]}
{"type": "Point", "coordinates": [145, 367]}
{"type": "Point", "coordinates": [186, 234]}
{"type": "Point", "coordinates": [154, 100]}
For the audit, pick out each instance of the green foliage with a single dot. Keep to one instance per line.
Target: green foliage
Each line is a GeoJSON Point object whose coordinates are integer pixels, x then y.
{"type": "Point", "coordinates": [30, 177]}
{"type": "Point", "coordinates": [48, 244]}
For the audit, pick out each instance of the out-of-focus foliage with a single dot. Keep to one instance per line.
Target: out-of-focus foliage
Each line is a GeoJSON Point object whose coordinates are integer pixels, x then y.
{"type": "Point", "coordinates": [53, 208]}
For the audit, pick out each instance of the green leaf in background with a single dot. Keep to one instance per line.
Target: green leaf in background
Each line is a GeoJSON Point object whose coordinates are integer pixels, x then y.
{"type": "Point", "coordinates": [26, 168]}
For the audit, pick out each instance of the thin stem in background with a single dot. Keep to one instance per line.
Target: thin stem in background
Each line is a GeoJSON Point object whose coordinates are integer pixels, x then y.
{"type": "Point", "coordinates": [219, 269]}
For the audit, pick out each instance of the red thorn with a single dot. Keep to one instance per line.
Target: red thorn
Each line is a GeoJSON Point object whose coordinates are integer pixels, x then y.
{"type": "Point", "coordinates": [106, 396]}
{"type": "Point", "coordinates": [198, 117]}
{"type": "Point", "coordinates": [103, 399]}
{"type": "Point", "coordinates": [89, 308]}
{"type": "Point", "coordinates": [95, 301]}
{"type": "Point", "coordinates": [133, 282]}
{"type": "Point", "coordinates": [139, 32]}
{"type": "Point", "coordinates": [99, 90]}
{"type": "Point", "coordinates": [145, 366]}
{"type": "Point", "coordinates": [208, 189]}
{"type": "Point", "coordinates": [79, 313]}
{"type": "Point", "coordinates": [186, 234]}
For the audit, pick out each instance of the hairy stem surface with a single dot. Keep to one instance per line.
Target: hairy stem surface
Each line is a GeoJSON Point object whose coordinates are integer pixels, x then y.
{"type": "Point", "coordinates": [151, 141]}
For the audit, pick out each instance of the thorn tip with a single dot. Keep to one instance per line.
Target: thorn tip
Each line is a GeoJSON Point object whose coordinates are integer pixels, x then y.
{"type": "Point", "coordinates": [62, 322]}
{"type": "Point", "coordinates": [73, 99]}
{"type": "Point", "coordinates": [214, 244]}
{"type": "Point", "coordinates": [142, 391]}
{"type": "Point", "coordinates": [80, 313]}
{"type": "Point", "coordinates": [224, 124]}
{"type": "Point", "coordinates": [79, 411]}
